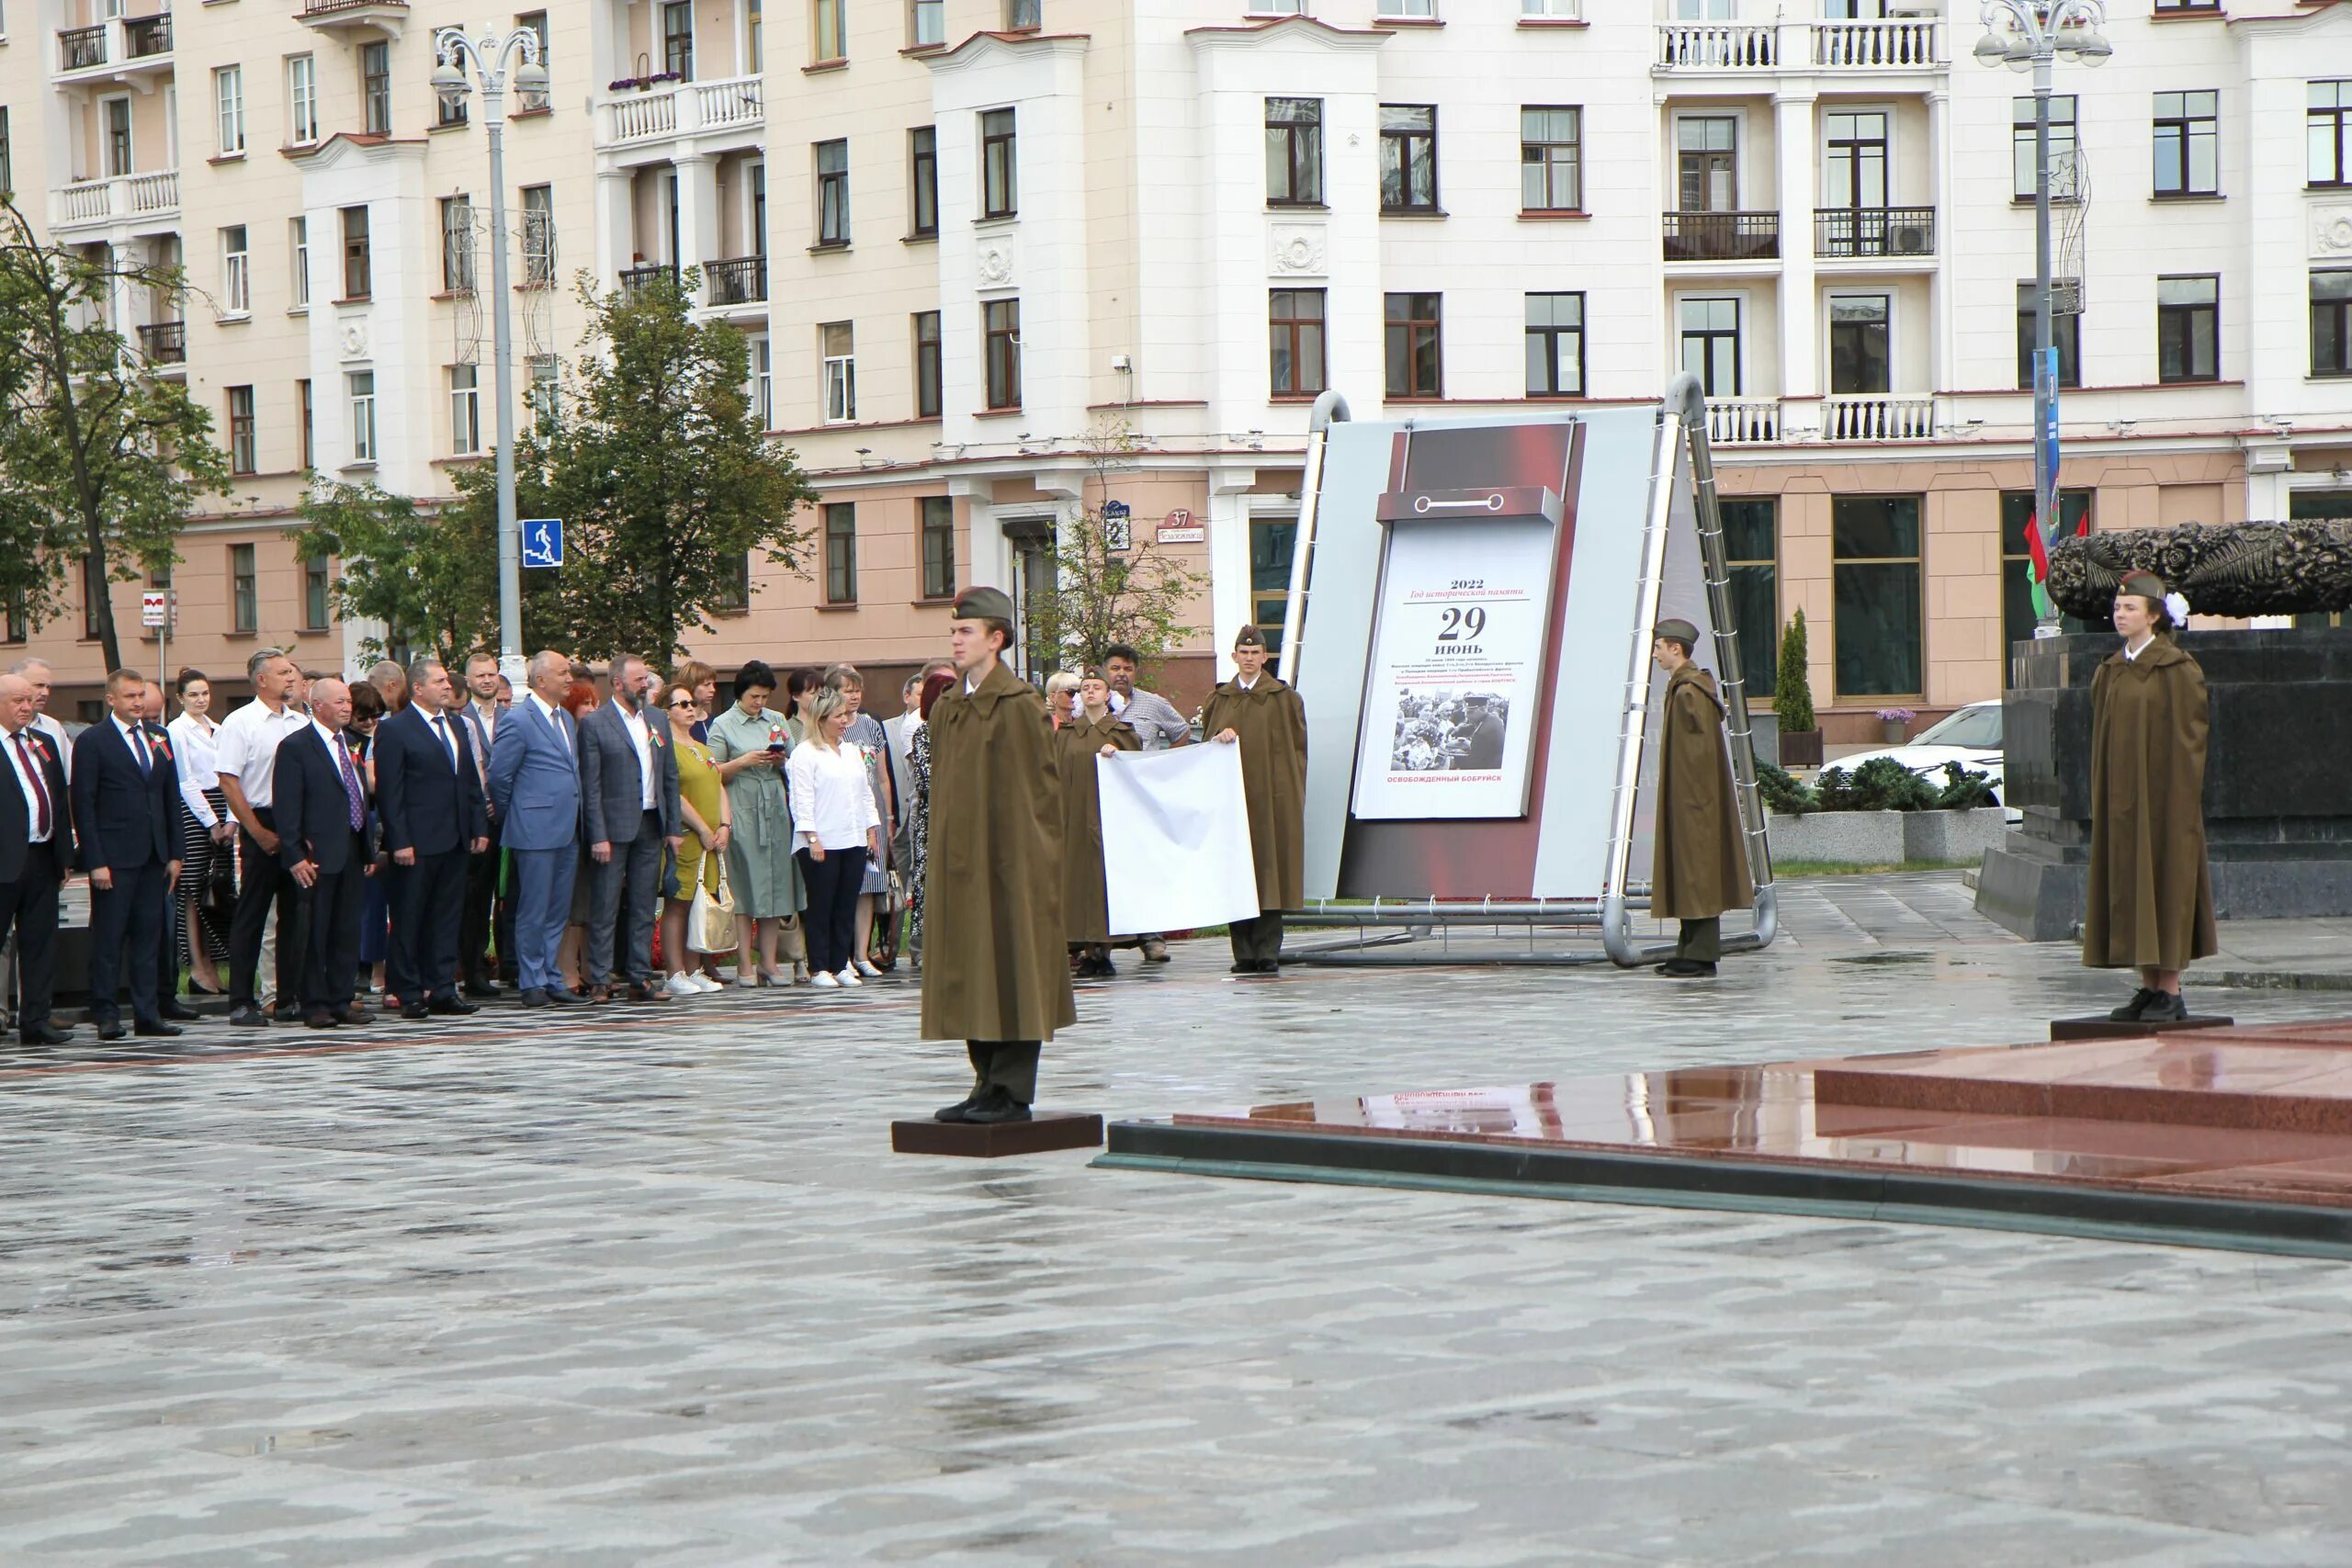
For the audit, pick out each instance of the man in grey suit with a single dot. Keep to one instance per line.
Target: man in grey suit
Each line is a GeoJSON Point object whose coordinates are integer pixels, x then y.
{"type": "Point", "coordinates": [535, 787]}
{"type": "Point", "coordinates": [629, 786]}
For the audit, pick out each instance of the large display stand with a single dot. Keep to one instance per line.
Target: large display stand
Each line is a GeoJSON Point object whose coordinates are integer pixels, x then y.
{"type": "Point", "coordinates": [1471, 612]}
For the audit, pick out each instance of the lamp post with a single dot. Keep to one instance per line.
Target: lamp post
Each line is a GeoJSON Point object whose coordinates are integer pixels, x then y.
{"type": "Point", "coordinates": [2029, 34]}
{"type": "Point", "coordinates": [490, 57]}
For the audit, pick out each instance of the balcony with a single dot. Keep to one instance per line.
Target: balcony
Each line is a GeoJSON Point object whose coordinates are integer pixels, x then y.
{"type": "Point", "coordinates": [636, 280]}
{"type": "Point", "coordinates": [1873, 232]}
{"type": "Point", "coordinates": [1718, 46]}
{"type": "Point", "coordinates": [680, 109]}
{"type": "Point", "coordinates": [82, 49]}
{"type": "Point", "coordinates": [1878, 419]}
{"type": "Point", "coordinates": [741, 281]}
{"type": "Point", "coordinates": [1893, 43]}
{"type": "Point", "coordinates": [358, 17]}
{"type": "Point", "coordinates": [1723, 236]}
{"type": "Point", "coordinates": [1900, 43]}
{"type": "Point", "coordinates": [1743, 422]}
{"type": "Point", "coordinates": [125, 48]}
{"type": "Point", "coordinates": [147, 201]}
{"type": "Point", "coordinates": [164, 343]}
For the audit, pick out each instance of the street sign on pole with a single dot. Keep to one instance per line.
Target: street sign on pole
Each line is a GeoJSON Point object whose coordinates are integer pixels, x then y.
{"type": "Point", "coordinates": [155, 608]}
{"type": "Point", "coordinates": [1118, 529]}
{"type": "Point", "coordinates": [542, 541]}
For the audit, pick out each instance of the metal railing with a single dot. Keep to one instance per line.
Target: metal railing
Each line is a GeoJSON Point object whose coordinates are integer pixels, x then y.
{"type": "Point", "coordinates": [1743, 422]}
{"type": "Point", "coordinates": [78, 49]}
{"type": "Point", "coordinates": [1878, 419]}
{"type": "Point", "coordinates": [1718, 46]}
{"type": "Point", "coordinates": [312, 9]}
{"type": "Point", "coordinates": [1875, 45]}
{"type": "Point", "coordinates": [1722, 236]}
{"type": "Point", "coordinates": [635, 281]}
{"type": "Point", "coordinates": [743, 280]}
{"type": "Point", "coordinates": [164, 343]}
{"type": "Point", "coordinates": [1874, 231]}
{"type": "Point", "coordinates": [143, 37]}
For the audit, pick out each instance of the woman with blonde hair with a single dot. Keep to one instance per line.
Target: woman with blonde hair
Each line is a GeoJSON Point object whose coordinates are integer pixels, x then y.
{"type": "Point", "coordinates": [1061, 697]}
{"type": "Point", "coordinates": [835, 827]}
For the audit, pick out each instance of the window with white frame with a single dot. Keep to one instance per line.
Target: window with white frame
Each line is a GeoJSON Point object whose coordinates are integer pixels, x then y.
{"type": "Point", "coordinates": [1408, 8]}
{"type": "Point", "coordinates": [538, 236]}
{"type": "Point", "coordinates": [457, 244]}
{"type": "Point", "coordinates": [229, 102]}
{"type": "Point", "coordinates": [1710, 331]}
{"type": "Point", "coordinates": [302, 99]}
{"type": "Point", "coordinates": [300, 269]}
{"type": "Point", "coordinates": [1555, 345]}
{"type": "Point", "coordinates": [465, 411]}
{"type": "Point", "coordinates": [763, 383]}
{"type": "Point", "coordinates": [838, 343]}
{"type": "Point", "coordinates": [2062, 185]}
{"type": "Point", "coordinates": [1860, 344]}
{"type": "Point", "coordinates": [1278, 8]}
{"type": "Point", "coordinates": [546, 395]}
{"type": "Point", "coordinates": [535, 24]}
{"type": "Point", "coordinates": [361, 386]}
{"type": "Point", "coordinates": [236, 272]}
{"type": "Point", "coordinates": [1553, 10]}
{"type": "Point", "coordinates": [927, 23]}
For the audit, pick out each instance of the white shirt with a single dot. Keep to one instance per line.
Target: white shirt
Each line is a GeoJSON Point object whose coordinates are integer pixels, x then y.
{"type": "Point", "coordinates": [60, 742]}
{"type": "Point", "coordinates": [2133, 654]}
{"type": "Point", "coordinates": [245, 748]}
{"type": "Point", "coordinates": [483, 717]}
{"type": "Point", "coordinates": [141, 744]}
{"type": "Point", "coordinates": [646, 763]}
{"type": "Point", "coordinates": [1250, 685]}
{"type": "Point", "coordinates": [443, 725]}
{"type": "Point", "coordinates": [547, 710]}
{"type": "Point", "coordinates": [25, 782]}
{"type": "Point", "coordinates": [832, 803]}
{"type": "Point", "coordinates": [198, 760]}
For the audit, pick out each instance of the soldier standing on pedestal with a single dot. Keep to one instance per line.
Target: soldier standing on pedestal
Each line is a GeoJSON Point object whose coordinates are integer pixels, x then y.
{"type": "Point", "coordinates": [1266, 718]}
{"type": "Point", "coordinates": [1699, 867]}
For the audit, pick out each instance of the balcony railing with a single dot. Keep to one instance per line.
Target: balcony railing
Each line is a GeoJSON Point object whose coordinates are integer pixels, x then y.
{"type": "Point", "coordinates": [1894, 43]}
{"type": "Point", "coordinates": [1718, 46]}
{"type": "Point", "coordinates": [682, 109]}
{"type": "Point", "coordinates": [123, 197]}
{"type": "Point", "coordinates": [1743, 422]}
{"type": "Point", "coordinates": [1878, 419]}
{"type": "Point", "coordinates": [1723, 236]}
{"type": "Point", "coordinates": [164, 343]}
{"type": "Point", "coordinates": [79, 49]}
{"type": "Point", "coordinates": [636, 280]}
{"type": "Point", "coordinates": [316, 10]}
{"type": "Point", "coordinates": [1872, 45]}
{"type": "Point", "coordinates": [1874, 231]}
{"type": "Point", "coordinates": [145, 36]}
{"type": "Point", "coordinates": [741, 281]}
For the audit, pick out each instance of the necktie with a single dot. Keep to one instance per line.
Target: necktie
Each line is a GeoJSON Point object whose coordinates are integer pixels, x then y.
{"type": "Point", "coordinates": [40, 789]}
{"type": "Point", "coordinates": [146, 763]}
{"type": "Point", "coordinates": [441, 723]}
{"type": "Point", "coordinates": [351, 784]}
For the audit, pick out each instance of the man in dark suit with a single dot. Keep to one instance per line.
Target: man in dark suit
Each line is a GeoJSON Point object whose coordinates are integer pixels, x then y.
{"type": "Point", "coordinates": [126, 811]}
{"type": "Point", "coordinates": [167, 936]}
{"type": "Point", "coordinates": [534, 788]}
{"type": "Point", "coordinates": [485, 913]}
{"type": "Point", "coordinates": [326, 834]}
{"type": "Point", "coordinates": [628, 790]}
{"type": "Point", "coordinates": [428, 794]}
{"type": "Point", "coordinates": [36, 852]}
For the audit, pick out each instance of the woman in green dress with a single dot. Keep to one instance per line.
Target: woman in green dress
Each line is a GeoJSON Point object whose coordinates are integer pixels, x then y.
{"type": "Point", "coordinates": [702, 799]}
{"type": "Point", "coordinates": [748, 743]}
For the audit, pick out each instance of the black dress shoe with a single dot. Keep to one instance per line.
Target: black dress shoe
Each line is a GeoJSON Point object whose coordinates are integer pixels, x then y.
{"type": "Point", "coordinates": [2170, 1006]}
{"type": "Point", "coordinates": [1685, 969]}
{"type": "Point", "coordinates": [996, 1105]}
{"type": "Point", "coordinates": [354, 1014]}
{"type": "Point", "coordinates": [1246, 966]}
{"type": "Point", "coordinates": [957, 1111]}
{"type": "Point", "coordinates": [47, 1034]}
{"type": "Point", "coordinates": [157, 1029]}
{"type": "Point", "coordinates": [481, 990]}
{"type": "Point", "coordinates": [178, 1011]}
{"type": "Point", "coordinates": [2130, 1011]}
{"type": "Point", "coordinates": [113, 1030]}
{"type": "Point", "coordinates": [319, 1018]}
{"type": "Point", "coordinates": [535, 998]}
{"type": "Point", "coordinates": [563, 998]}
{"type": "Point", "coordinates": [451, 1007]}
{"type": "Point", "coordinates": [413, 1011]}
{"type": "Point", "coordinates": [249, 1017]}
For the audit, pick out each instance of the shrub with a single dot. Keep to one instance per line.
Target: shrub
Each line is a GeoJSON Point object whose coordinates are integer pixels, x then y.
{"type": "Point", "coordinates": [1880, 785]}
{"type": "Point", "coordinates": [1791, 691]}
{"type": "Point", "coordinates": [1782, 791]}
{"type": "Point", "coordinates": [1964, 791]}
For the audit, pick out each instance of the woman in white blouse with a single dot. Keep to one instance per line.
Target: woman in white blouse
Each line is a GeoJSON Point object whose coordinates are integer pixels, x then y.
{"type": "Point", "coordinates": [205, 831]}
{"type": "Point", "coordinates": [835, 827]}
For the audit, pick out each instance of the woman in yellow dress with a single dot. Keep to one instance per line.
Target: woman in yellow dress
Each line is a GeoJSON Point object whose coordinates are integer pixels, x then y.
{"type": "Point", "coordinates": [703, 800]}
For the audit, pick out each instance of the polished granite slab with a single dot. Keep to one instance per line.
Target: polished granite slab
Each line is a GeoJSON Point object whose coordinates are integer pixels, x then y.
{"type": "Point", "coordinates": [2229, 1136]}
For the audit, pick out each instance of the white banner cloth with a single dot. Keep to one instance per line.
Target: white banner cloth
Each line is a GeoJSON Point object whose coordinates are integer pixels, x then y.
{"type": "Point", "coordinates": [1176, 838]}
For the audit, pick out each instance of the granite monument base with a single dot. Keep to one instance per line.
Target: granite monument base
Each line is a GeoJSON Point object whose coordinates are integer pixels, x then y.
{"type": "Point", "coordinates": [1039, 1135]}
{"type": "Point", "coordinates": [2104, 1028]}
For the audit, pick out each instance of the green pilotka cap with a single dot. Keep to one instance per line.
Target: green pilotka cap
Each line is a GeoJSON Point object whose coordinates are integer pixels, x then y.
{"type": "Point", "coordinates": [1250, 637]}
{"type": "Point", "coordinates": [983, 605]}
{"type": "Point", "coordinates": [1681, 631]}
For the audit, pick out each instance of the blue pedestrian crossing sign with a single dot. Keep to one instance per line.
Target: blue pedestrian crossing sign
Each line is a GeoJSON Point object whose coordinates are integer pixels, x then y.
{"type": "Point", "coordinates": [542, 541]}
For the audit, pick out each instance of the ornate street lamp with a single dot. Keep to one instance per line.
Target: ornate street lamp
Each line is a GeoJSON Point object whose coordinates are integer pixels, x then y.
{"type": "Point", "coordinates": [490, 58]}
{"type": "Point", "coordinates": [2029, 34]}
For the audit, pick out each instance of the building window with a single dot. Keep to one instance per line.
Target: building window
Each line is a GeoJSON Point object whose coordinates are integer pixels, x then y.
{"type": "Point", "coordinates": [229, 106]}
{"type": "Point", "coordinates": [2324, 121]}
{"type": "Point", "coordinates": [1875, 544]}
{"type": "Point", "coordinates": [2189, 329]}
{"type": "Point", "coordinates": [734, 595]}
{"type": "Point", "coordinates": [1409, 8]}
{"type": "Point", "coordinates": [376, 87]}
{"type": "Point", "coordinates": [358, 271]}
{"type": "Point", "coordinates": [1272, 542]}
{"type": "Point", "coordinates": [938, 547]}
{"type": "Point", "coordinates": [236, 272]}
{"type": "Point", "coordinates": [465, 411]}
{"type": "Point", "coordinates": [2189, 138]}
{"type": "Point", "coordinates": [2066, 331]}
{"type": "Point", "coordinates": [538, 236]}
{"type": "Point", "coordinates": [535, 24]}
{"type": "Point", "coordinates": [545, 395]}
{"type": "Point", "coordinates": [841, 552]}
{"type": "Point", "coordinates": [832, 193]}
{"type": "Point", "coordinates": [1751, 556]}
{"type": "Point", "coordinates": [1294, 346]}
{"type": "Point", "coordinates": [1710, 330]}
{"type": "Point", "coordinates": [302, 424]}
{"type": "Point", "coordinates": [2332, 322]}
{"type": "Point", "coordinates": [1000, 332]}
{"type": "Point", "coordinates": [1555, 345]}
{"type": "Point", "coordinates": [832, 29]}
{"type": "Point", "coordinates": [1407, 158]}
{"type": "Point", "coordinates": [298, 235]}
{"type": "Point", "coordinates": [1857, 163]}
{"type": "Point", "coordinates": [1563, 10]}
{"type": "Point", "coordinates": [1023, 16]}
{"type": "Point", "coordinates": [244, 588]}
{"type": "Point", "coordinates": [928, 401]}
{"type": "Point", "coordinates": [999, 166]}
{"type": "Point", "coordinates": [362, 385]}
{"type": "Point", "coordinates": [94, 593]}
{"type": "Point", "coordinates": [1551, 160]}
{"type": "Point", "coordinates": [2018, 619]}
{"type": "Point", "coordinates": [19, 619]}
{"type": "Point", "coordinates": [927, 23]}
{"type": "Point", "coordinates": [457, 244]}
{"type": "Point", "coordinates": [314, 594]}
{"type": "Point", "coordinates": [7, 170]}
{"type": "Point", "coordinates": [923, 181]}
{"type": "Point", "coordinates": [1860, 329]}
{"type": "Point", "coordinates": [678, 38]}
{"type": "Point", "coordinates": [1414, 346]}
{"type": "Point", "coordinates": [241, 431]}
{"type": "Point", "coordinates": [449, 110]}
{"type": "Point", "coordinates": [840, 345]}
{"type": "Point", "coordinates": [2062, 148]}
{"type": "Point", "coordinates": [1294, 151]}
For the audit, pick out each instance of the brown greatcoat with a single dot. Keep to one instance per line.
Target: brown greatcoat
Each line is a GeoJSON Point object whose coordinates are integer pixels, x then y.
{"type": "Point", "coordinates": [2150, 896]}
{"type": "Point", "coordinates": [1699, 866]}
{"type": "Point", "coordinates": [1271, 723]}
{"type": "Point", "coordinates": [995, 967]}
{"type": "Point", "coordinates": [1086, 914]}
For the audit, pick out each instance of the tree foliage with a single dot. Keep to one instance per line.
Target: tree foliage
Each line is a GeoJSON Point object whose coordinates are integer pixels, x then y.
{"type": "Point", "coordinates": [98, 458]}
{"type": "Point", "coordinates": [1791, 685]}
{"type": "Point", "coordinates": [1110, 587]}
{"type": "Point", "coordinates": [429, 578]}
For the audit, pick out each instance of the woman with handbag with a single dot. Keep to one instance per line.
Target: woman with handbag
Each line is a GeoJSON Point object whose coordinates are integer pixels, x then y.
{"type": "Point", "coordinates": [208, 834]}
{"type": "Point", "coordinates": [701, 853]}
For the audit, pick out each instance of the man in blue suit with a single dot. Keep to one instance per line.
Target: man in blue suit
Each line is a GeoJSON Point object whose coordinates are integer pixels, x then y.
{"type": "Point", "coordinates": [535, 785]}
{"type": "Point", "coordinates": [428, 793]}
{"type": "Point", "coordinates": [125, 795]}
{"type": "Point", "coordinates": [326, 840]}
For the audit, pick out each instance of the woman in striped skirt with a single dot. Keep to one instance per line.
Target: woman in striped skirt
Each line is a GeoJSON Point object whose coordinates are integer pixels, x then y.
{"type": "Point", "coordinates": [205, 831]}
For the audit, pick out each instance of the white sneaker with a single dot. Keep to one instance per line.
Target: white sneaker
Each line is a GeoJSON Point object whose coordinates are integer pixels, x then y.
{"type": "Point", "coordinates": [848, 978]}
{"type": "Point", "coordinates": [826, 982]}
{"type": "Point", "coordinates": [868, 970]}
{"type": "Point", "coordinates": [679, 985]}
{"type": "Point", "coordinates": [704, 982]}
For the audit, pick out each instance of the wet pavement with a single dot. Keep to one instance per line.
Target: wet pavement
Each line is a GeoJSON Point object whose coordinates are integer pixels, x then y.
{"type": "Point", "coordinates": [652, 1290]}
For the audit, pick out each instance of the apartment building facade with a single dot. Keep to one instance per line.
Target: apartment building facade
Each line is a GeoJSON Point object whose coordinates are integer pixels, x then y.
{"type": "Point", "coordinates": [974, 243]}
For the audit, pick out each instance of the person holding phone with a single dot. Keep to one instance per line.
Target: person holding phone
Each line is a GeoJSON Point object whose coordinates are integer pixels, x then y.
{"type": "Point", "coordinates": [749, 745]}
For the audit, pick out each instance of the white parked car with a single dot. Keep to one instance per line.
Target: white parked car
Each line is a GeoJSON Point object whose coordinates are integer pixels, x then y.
{"type": "Point", "coordinates": [1969, 736]}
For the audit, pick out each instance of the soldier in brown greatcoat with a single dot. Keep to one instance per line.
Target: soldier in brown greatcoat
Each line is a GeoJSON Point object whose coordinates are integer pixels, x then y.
{"type": "Point", "coordinates": [995, 973]}
{"type": "Point", "coordinates": [1092, 731]}
{"type": "Point", "coordinates": [1699, 867]}
{"type": "Point", "coordinates": [1269, 721]}
{"type": "Point", "coordinates": [2151, 895]}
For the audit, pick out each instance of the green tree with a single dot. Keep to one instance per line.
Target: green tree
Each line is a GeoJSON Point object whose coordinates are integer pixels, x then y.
{"type": "Point", "coordinates": [655, 461]}
{"type": "Point", "coordinates": [1792, 687]}
{"type": "Point", "coordinates": [99, 459]}
{"type": "Point", "coordinates": [1109, 587]}
{"type": "Point", "coordinates": [429, 577]}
